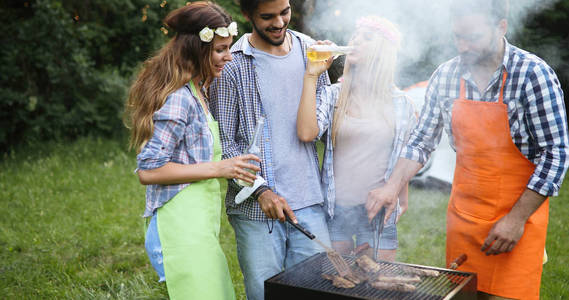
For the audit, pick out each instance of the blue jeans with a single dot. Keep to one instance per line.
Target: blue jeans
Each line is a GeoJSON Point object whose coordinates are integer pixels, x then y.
{"type": "Point", "coordinates": [154, 249]}
{"type": "Point", "coordinates": [262, 255]}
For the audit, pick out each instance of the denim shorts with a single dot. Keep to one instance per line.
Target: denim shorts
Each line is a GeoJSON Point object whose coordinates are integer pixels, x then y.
{"type": "Point", "coordinates": [350, 221]}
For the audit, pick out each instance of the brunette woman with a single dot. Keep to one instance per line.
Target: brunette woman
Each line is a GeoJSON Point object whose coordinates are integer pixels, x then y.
{"type": "Point", "coordinates": [180, 153]}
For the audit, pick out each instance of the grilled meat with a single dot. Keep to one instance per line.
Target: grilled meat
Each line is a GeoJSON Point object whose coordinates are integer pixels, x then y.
{"type": "Point", "coordinates": [419, 272]}
{"type": "Point", "coordinates": [390, 286]}
{"type": "Point", "coordinates": [339, 282]}
{"type": "Point", "coordinates": [367, 264]}
{"type": "Point", "coordinates": [359, 249]}
{"type": "Point", "coordinates": [357, 276]}
{"type": "Point", "coordinates": [399, 279]}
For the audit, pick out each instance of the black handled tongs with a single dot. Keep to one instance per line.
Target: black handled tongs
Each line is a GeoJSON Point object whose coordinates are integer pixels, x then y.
{"type": "Point", "coordinates": [301, 229]}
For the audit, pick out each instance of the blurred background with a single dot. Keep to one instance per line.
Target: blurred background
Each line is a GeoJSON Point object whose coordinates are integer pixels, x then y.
{"type": "Point", "coordinates": [71, 225]}
{"type": "Point", "coordinates": [66, 64]}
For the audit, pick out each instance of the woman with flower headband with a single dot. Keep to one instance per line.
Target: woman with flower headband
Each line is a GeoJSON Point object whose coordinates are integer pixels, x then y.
{"type": "Point", "coordinates": [367, 121]}
{"type": "Point", "coordinates": [180, 153]}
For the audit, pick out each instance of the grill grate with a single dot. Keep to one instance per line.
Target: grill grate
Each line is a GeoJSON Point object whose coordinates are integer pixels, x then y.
{"type": "Point", "coordinates": [304, 281]}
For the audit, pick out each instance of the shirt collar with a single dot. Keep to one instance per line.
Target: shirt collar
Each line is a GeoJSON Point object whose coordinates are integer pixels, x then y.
{"type": "Point", "coordinates": [507, 61]}
{"type": "Point", "coordinates": [243, 45]}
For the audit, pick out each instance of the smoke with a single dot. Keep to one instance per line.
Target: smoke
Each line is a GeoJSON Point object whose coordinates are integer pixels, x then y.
{"type": "Point", "coordinates": [425, 25]}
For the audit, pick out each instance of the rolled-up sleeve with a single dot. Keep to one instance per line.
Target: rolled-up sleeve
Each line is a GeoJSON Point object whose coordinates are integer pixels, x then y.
{"type": "Point", "coordinates": [169, 128]}
{"type": "Point", "coordinates": [548, 126]}
{"type": "Point", "coordinates": [427, 134]}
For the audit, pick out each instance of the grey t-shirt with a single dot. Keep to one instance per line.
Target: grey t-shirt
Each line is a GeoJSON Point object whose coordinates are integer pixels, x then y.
{"type": "Point", "coordinates": [295, 169]}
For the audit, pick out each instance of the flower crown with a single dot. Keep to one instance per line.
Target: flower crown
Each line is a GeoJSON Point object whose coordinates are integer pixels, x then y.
{"type": "Point", "coordinates": [377, 24]}
{"type": "Point", "coordinates": [206, 34]}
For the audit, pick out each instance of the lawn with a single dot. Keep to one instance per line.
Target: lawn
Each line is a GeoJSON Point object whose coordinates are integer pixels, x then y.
{"type": "Point", "coordinates": [71, 227]}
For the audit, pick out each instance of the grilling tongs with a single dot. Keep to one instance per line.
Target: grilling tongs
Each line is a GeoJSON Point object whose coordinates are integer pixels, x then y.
{"type": "Point", "coordinates": [377, 227]}
{"type": "Point", "coordinates": [335, 258]}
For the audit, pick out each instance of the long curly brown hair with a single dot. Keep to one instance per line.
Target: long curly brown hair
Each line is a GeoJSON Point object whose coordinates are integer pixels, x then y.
{"type": "Point", "coordinates": [182, 58]}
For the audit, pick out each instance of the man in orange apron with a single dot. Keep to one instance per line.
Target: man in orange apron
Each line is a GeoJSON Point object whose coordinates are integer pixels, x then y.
{"type": "Point", "coordinates": [503, 110]}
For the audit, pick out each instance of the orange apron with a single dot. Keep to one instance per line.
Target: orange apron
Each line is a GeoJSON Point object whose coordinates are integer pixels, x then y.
{"type": "Point", "coordinates": [490, 176]}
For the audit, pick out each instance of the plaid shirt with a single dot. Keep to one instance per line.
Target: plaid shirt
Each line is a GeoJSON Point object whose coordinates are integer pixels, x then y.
{"type": "Point", "coordinates": [536, 113]}
{"type": "Point", "coordinates": [236, 104]}
{"type": "Point", "coordinates": [181, 135]}
{"type": "Point", "coordinates": [405, 118]}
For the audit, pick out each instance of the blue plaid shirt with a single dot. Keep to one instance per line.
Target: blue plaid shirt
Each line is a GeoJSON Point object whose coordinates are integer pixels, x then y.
{"type": "Point", "coordinates": [405, 118]}
{"type": "Point", "coordinates": [536, 112]}
{"type": "Point", "coordinates": [236, 104]}
{"type": "Point", "coordinates": [181, 135]}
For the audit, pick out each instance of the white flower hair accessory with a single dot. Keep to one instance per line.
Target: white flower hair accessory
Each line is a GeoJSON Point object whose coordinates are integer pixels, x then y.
{"type": "Point", "coordinates": [206, 34]}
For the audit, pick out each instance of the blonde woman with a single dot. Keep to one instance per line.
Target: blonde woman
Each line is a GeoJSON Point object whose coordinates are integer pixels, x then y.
{"type": "Point", "coordinates": [366, 121]}
{"type": "Point", "coordinates": [180, 153]}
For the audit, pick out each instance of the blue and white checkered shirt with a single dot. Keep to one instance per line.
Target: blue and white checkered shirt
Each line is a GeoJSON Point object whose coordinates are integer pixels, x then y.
{"type": "Point", "coordinates": [181, 135]}
{"type": "Point", "coordinates": [405, 121]}
{"type": "Point", "coordinates": [236, 104]}
{"type": "Point", "coordinates": [536, 112]}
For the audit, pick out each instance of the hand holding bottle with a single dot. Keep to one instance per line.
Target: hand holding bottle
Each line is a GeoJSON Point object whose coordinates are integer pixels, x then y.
{"type": "Point", "coordinates": [319, 61]}
{"type": "Point", "coordinates": [255, 149]}
{"type": "Point", "coordinates": [237, 167]}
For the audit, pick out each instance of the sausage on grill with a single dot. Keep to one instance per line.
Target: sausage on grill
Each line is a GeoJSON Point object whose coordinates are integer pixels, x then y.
{"type": "Point", "coordinates": [419, 272]}
{"type": "Point", "coordinates": [399, 279]}
{"type": "Point", "coordinates": [390, 286]}
{"type": "Point", "coordinates": [367, 264]}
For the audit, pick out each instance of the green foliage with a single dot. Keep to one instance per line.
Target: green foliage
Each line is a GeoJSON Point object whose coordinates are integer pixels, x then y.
{"type": "Point", "coordinates": [65, 65]}
{"type": "Point", "coordinates": [546, 34]}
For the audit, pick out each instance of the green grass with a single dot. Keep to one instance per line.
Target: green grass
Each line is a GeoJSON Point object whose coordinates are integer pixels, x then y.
{"type": "Point", "coordinates": [71, 227]}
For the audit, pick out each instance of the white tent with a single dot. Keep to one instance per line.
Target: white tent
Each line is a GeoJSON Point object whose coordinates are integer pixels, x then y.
{"type": "Point", "coordinates": [439, 170]}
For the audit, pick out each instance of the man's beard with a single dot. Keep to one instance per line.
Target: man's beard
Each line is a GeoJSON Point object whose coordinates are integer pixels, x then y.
{"type": "Point", "coordinates": [267, 38]}
{"type": "Point", "coordinates": [487, 55]}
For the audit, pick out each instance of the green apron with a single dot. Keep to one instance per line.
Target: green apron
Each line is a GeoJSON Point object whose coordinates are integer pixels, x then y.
{"type": "Point", "coordinates": [188, 227]}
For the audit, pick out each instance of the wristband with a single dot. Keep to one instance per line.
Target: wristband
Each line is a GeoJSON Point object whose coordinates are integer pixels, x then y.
{"type": "Point", "coordinates": [257, 193]}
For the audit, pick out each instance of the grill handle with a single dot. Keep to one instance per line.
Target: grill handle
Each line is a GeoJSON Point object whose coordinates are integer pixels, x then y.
{"type": "Point", "coordinates": [300, 228]}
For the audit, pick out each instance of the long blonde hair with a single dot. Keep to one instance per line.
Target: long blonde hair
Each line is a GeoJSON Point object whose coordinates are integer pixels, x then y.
{"type": "Point", "coordinates": [378, 65]}
{"type": "Point", "coordinates": [182, 58]}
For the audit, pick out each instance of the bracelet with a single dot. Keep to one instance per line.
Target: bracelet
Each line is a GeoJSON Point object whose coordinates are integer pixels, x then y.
{"type": "Point", "coordinates": [257, 193]}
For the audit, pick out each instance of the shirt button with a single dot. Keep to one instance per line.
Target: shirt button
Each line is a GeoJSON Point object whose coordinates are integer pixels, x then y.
{"type": "Point", "coordinates": [267, 139]}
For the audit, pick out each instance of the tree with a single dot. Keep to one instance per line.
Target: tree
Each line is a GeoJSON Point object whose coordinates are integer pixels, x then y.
{"type": "Point", "coordinates": [65, 65]}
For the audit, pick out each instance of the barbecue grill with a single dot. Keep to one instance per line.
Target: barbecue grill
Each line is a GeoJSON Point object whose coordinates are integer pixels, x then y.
{"type": "Point", "coordinates": [304, 281]}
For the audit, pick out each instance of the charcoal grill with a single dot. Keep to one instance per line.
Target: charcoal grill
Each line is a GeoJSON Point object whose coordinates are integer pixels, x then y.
{"type": "Point", "coordinates": [304, 281]}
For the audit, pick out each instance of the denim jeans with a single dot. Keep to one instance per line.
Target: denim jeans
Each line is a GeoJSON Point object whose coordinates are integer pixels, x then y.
{"type": "Point", "coordinates": [154, 249]}
{"type": "Point", "coordinates": [262, 255]}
